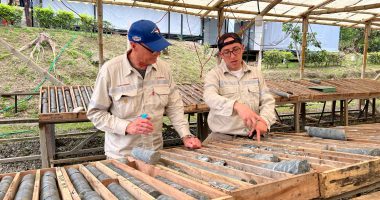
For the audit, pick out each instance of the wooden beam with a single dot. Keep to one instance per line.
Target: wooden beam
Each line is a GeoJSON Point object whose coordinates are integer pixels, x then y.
{"type": "Point", "coordinates": [178, 4]}
{"type": "Point", "coordinates": [365, 50]}
{"type": "Point", "coordinates": [31, 63]}
{"type": "Point", "coordinates": [233, 2]}
{"type": "Point", "coordinates": [269, 7]}
{"type": "Point", "coordinates": [99, 7]}
{"type": "Point", "coordinates": [346, 9]}
{"type": "Point", "coordinates": [311, 9]}
{"type": "Point", "coordinates": [135, 4]}
{"type": "Point", "coordinates": [373, 18]}
{"type": "Point", "coordinates": [209, 9]}
{"type": "Point", "coordinates": [305, 24]}
{"type": "Point", "coordinates": [215, 6]}
{"type": "Point", "coordinates": [220, 22]}
{"type": "Point", "coordinates": [310, 5]}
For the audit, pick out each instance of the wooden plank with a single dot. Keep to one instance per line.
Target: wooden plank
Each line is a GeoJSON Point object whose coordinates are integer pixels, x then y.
{"type": "Point", "coordinates": [11, 193]}
{"type": "Point", "coordinates": [205, 175]}
{"type": "Point", "coordinates": [37, 181]}
{"type": "Point", "coordinates": [160, 186]}
{"type": "Point", "coordinates": [242, 175]}
{"type": "Point", "coordinates": [96, 184]}
{"type": "Point", "coordinates": [62, 185]}
{"type": "Point", "coordinates": [238, 163]}
{"type": "Point", "coordinates": [370, 196]}
{"type": "Point", "coordinates": [189, 183]}
{"type": "Point", "coordinates": [64, 99]}
{"type": "Point", "coordinates": [303, 186]}
{"type": "Point", "coordinates": [137, 192]}
{"type": "Point", "coordinates": [70, 186]}
{"type": "Point", "coordinates": [338, 181]}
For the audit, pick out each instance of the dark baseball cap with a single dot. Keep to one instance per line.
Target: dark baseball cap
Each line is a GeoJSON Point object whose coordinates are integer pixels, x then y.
{"type": "Point", "coordinates": [221, 43]}
{"type": "Point", "coordinates": [147, 32]}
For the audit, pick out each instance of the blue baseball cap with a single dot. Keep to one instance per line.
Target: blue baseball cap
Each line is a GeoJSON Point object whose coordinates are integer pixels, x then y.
{"type": "Point", "coordinates": [147, 32]}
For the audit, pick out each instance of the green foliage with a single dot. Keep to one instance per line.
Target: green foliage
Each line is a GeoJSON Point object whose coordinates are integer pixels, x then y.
{"type": "Point", "coordinates": [87, 22]}
{"type": "Point", "coordinates": [374, 58]}
{"type": "Point", "coordinates": [11, 14]}
{"type": "Point", "coordinates": [324, 58]}
{"type": "Point", "coordinates": [352, 40]}
{"type": "Point", "coordinates": [64, 19]}
{"type": "Point", "coordinates": [296, 36]}
{"type": "Point", "coordinates": [273, 58]}
{"type": "Point", "coordinates": [44, 17]}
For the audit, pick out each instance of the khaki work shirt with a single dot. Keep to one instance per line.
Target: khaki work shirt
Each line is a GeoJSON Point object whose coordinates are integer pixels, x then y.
{"type": "Point", "coordinates": [222, 89]}
{"type": "Point", "coordinates": [121, 95]}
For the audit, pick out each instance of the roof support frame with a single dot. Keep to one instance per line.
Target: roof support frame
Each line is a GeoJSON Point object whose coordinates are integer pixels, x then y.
{"type": "Point", "coordinates": [311, 9]}
{"type": "Point", "coordinates": [346, 9]}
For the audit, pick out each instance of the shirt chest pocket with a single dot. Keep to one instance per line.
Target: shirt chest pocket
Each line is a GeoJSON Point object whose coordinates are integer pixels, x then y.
{"type": "Point", "coordinates": [125, 100]}
{"type": "Point", "coordinates": [253, 96]}
{"type": "Point", "coordinates": [229, 92]}
{"type": "Point", "coordinates": [160, 96]}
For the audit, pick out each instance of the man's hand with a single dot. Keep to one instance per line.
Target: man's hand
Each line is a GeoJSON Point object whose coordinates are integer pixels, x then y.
{"type": "Point", "coordinates": [140, 126]}
{"type": "Point", "coordinates": [248, 116]}
{"type": "Point", "coordinates": [261, 129]}
{"type": "Point", "coordinates": [191, 142]}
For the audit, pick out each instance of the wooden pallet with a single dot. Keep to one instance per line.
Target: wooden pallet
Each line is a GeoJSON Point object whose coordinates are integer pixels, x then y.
{"type": "Point", "coordinates": [137, 169]}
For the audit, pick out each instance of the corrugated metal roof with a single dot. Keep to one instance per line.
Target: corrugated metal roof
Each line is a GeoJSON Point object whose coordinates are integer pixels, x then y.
{"type": "Point", "coordinates": [351, 13]}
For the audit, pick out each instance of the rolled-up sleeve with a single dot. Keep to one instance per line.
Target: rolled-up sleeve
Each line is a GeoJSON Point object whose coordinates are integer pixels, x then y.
{"type": "Point", "coordinates": [175, 111]}
{"type": "Point", "coordinates": [100, 103]}
{"type": "Point", "coordinates": [220, 105]}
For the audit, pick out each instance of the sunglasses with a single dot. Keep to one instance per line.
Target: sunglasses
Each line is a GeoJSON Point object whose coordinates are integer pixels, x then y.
{"type": "Point", "coordinates": [147, 48]}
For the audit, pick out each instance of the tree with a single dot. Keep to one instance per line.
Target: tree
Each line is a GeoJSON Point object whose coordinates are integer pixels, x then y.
{"type": "Point", "coordinates": [352, 40]}
{"type": "Point", "coordinates": [295, 33]}
{"type": "Point", "coordinates": [27, 13]}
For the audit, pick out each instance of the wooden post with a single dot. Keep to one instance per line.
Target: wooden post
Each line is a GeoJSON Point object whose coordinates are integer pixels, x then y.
{"type": "Point", "coordinates": [346, 112]}
{"type": "Point", "coordinates": [47, 143]}
{"type": "Point", "coordinates": [297, 108]}
{"type": "Point", "coordinates": [99, 4]}
{"type": "Point", "coordinates": [365, 50]}
{"type": "Point", "coordinates": [220, 21]}
{"type": "Point", "coordinates": [305, 24]}
{"type": "Point", "coordinates": [333, 107]}
{"type": "Point", "coordinates": [303, 116]}
{"type": "Point", "coordinates": [374, 110]}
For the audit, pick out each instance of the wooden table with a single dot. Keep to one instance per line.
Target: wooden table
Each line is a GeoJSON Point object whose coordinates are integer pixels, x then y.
{"type": "Point", "coordinates": [192, 94]}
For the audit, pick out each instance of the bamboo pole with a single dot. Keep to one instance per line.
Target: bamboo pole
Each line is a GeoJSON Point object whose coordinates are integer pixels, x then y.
{"type": "Point", "coordinates": [99, 5]}
{"type": "Point", "coordinates": [209, 9]}
{"type": "Point", "coordinates": [305, 24]}
{"type": "Point", "coordinates": [220, 22]}
{"type": "Point", "coordinates": [215, 6]}
{"type": "Point", "coordinates": [346, 9]}
{"type": "Point", "coordinates": [311, 9]}
{"type": "Point", "coordinates": [365, 50]}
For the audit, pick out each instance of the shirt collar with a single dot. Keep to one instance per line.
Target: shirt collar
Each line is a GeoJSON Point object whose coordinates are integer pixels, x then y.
{"type": "Point", "coordinates": [246, 68]}
{"type": "Point", "coordinates": [127, 66]}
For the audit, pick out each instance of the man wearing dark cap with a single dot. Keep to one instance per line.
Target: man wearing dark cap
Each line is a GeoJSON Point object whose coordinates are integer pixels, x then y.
{"type": "Point", "coordinates": [133, 85]}
{"type": "Point", "coordinates": [239, 100]}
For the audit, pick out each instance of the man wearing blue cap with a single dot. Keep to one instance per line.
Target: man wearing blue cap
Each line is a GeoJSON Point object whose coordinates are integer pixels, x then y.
{"type": "Point", "coordinates": [133, 84]}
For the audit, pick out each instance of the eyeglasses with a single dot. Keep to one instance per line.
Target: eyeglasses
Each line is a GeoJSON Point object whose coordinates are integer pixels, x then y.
{"type": "Point", "coordinates": [147, 48]}
{"type": "Point", "coordinates": [235, 51]}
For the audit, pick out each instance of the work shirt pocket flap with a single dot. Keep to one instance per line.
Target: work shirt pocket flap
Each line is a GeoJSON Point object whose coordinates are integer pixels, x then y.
{"type": "Point", "coordinates": [254, 89]}
{"type": "Point", "coordinates": [161, 90]}
{"type": "Point", "coordinates": [117, 96]}
{"type": "Point", "coordinates": [227, 90]}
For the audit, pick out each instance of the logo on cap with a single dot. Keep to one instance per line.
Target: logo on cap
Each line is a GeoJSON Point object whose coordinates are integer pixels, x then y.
{"type": "Point", "coordinates": [156, 30]}
{"type": "Point", "coordinates": [136, 38]}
